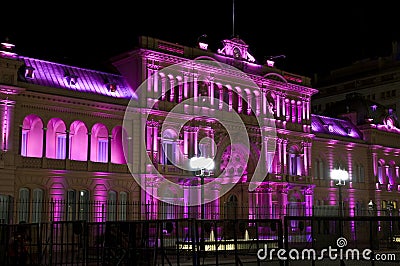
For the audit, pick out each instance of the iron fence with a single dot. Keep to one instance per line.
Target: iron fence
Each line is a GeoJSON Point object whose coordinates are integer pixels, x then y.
{"type": "Point", "coordinates": [195, 242]}
{"type": "Point", "coordinates": [101, 211]}
{"type": "Point", "coordinates": [158, 242]}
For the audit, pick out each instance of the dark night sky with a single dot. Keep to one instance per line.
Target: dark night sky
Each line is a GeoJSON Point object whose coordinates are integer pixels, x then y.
{"type": "Point", "coordinates": [314, 37]}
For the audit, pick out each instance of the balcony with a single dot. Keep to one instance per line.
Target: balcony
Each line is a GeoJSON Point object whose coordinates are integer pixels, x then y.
{"type": "Point", "coordinates": [60, 164]}
{"type": "Point", "coordinates": [299, 179]}
{"type": "Point", "coordinates": [172, 170]}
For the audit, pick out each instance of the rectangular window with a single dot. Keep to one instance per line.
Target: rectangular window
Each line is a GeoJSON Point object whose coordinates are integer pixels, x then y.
{"type": "Point", "coordinates": [293, 164]}
{"type": "Point", "coordinates": [84, 205]}
{"type": "Point", "coordinates": [123, 201]}
{"type": "Point", "coordinates": [275, 211]}
{"type": "Point", "coordinates": [102, 154]}
{"type": "Point", "coordinates": [270, 161]}
{"type": "Point", "coordinates": [37, 206]}
{"type": "Point", "coordinates": [61, 147]}
{"type": "Point", "coordinates": [380, 174]}
{"type": "Point", "coordinates": [361, 174]}
{"type": "Point", "coordinates": [112, 206]}
{"type": "Point", "coordinates": [71, 205]}
{"type": "Point", "coordinates": [23, 205]}
{"type": "Point", "coordinates": [299, 168]}
{"type": "Point", "coordinates": [316, 169]}
{"type": "Point", "coordinates": [321, 170]}
{"type": "Point", "coordinates": [24, 143]}
{"type": "Point", "coordinates": [169, 153]}
{"type": "Point", "coordinates": [4, 208]}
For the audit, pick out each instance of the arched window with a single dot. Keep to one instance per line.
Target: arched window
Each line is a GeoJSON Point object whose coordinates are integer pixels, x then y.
{"type": "Point", "coordinates": [78, 205]}
{"type": "Point", "coordinates": [99, 144]}
{"type": "Point", "coordinates": [56, 141]}
{"type": "Point", "coordinates": [169, 145]}
{"type": "Point", "coordinates": [117, 142]}
{"type": "Point", "coordinates": [117, 206]}
{"type": "Point", "coordinates": [78, 141]}
{"type": "Point", "coordinates": [30, 207]}
{"type": "Point", "coordinates": [32, 136]}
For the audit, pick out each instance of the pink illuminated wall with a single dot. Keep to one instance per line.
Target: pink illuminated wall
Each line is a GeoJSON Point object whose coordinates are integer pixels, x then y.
{"type": "Point", "coordinates": [55, 129]}
{"type": "Point", "coordinates": [32, 143]}
{"type": "Point", "coordinates": [79, 141]}
{"type": "Point", "coordinates": [117, 152]}
{"type": "Point", "coordinates": [99, 136]}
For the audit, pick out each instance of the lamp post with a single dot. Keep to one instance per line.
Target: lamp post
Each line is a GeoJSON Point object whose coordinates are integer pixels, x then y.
{"type": "Point", "coordinates": [204, 165]}
{"type": "Point", "coordinates": [341, 176]}
{"type": "Point", "coordinates": [371, 207]}
{"type": "Point", "coordinates": [389, 207]}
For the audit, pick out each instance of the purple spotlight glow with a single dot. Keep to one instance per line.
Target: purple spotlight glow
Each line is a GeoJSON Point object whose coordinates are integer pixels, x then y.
{"type": "Point", "coordinates": [32, 136]}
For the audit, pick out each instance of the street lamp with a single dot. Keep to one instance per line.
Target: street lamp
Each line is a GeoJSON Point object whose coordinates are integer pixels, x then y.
{"type": "Point", "coordinates": [389, 207]}
{"type": "Point", "coordinates": [341, 176]}
{"type": "Point", "coordinates": [204, 165]}
{"type": "Point", "coordinates": [371, 207]}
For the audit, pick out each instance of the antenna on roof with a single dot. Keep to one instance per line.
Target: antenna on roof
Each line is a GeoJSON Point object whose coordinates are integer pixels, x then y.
{"type": "Point", "coordinates": [233, 18]}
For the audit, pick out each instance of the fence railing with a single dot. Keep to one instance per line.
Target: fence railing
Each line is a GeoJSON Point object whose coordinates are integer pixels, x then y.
{"type": "Point", "coordinates": [102, 211]}
{"type": "Point", "coordinates": [196, 242]}
{"type": "Point", "coordinates": [158, 242]}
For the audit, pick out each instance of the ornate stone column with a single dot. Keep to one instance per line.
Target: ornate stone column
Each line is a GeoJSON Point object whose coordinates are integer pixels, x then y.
{"type": "Point", "coordinates": [89, 146]}
{"type": "Point", "coordinates": [195, 87]}
{"type": "Point", "coordinates": [278, 105]}
{"type": "Point", "coordinates": [44, 144]}
{"type": "Point", "coordinates": [284, 155]}
{"type": "Point", "coordinates": [163, 87]}
{"type": "Point", "coordinates": [211, 95]}
{"type": "Point", "coordinates": [171, 88]}
{"type": "Point", "coordinates": [185, 85]}
{"type": "Point", "coordinates": [280, 160]}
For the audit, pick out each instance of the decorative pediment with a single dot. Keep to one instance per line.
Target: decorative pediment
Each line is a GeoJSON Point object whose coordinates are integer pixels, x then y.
{"type": "Point", "coordinates": [237, 49]}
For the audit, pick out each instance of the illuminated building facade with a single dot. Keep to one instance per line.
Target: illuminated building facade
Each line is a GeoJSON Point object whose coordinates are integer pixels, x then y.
{"type": "Point", "coordinates": [63, 142]}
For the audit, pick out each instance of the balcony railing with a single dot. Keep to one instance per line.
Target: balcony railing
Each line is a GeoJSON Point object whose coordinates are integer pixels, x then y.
{"type": "Point", "coordinates": [62, 164]}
